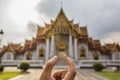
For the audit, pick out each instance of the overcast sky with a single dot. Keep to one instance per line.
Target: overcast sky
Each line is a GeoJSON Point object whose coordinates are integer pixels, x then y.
{"type": "Point", "coordinates": [18, 18]}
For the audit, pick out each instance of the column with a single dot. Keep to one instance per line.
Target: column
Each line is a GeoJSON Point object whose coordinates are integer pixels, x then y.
{"type": "Point", "coordinates": [52, 47]}
{"type": "Point", "coordinates": [75, 49]}
{"type": "Point", "coordinates": [87, 53]}
{"type": "Point", "coordinates": [113, 56]}
{"type": "Point", "coordinates": [47, 49]}
{"type": "Point", "coordinates": [70, 47]}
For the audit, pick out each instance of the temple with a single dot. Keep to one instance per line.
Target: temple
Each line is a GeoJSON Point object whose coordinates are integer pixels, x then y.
{"type": "Point", "coordinates": [61, 35]}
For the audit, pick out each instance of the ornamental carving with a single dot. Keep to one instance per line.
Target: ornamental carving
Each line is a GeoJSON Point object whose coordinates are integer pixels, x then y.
{"type": "Point", "coordinates": [61, 46]}
{"type": "Point", "coordinates": [29, 56]}
{"type": "Point", "coordinates": [95, 55]}
{"type": "Point", "coordinates": [61, 30]}
{"type": "Point", "coordinates": [41, 53]}
{"type": "Point", "coordinates": [82, 53]}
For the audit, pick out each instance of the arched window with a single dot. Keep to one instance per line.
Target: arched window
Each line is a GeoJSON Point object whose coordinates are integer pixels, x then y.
{"type": "Point", "coordinates": [61, 46]}
{"type": "Point", "coordinates": [41, 53]}
{"type": "Point", "coordinates": [29, 56]}
{"type": "Point", "coordinates": [95, 55]}
{"type": "Point", "coordinates": [82, 53]}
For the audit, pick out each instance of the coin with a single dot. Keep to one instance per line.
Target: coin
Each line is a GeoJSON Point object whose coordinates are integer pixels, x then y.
{"type": "Point", "coordinates": [62, 56]}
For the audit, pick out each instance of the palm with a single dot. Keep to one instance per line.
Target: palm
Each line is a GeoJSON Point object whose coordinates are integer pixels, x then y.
{"type": "Point", "coordinates": [62, 75]}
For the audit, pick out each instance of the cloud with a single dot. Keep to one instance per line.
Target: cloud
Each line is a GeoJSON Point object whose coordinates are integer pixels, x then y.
{"type": "Point", "coordinates": [112, 37]}
{"type": "Point", "coordinates": [48, 8]}
{"type": "Point", "coordinates": [101, 16]}
{"type": "Point", "coordinates": [32, 27]}
{"type": "Point", "coordinates": [13, 32]}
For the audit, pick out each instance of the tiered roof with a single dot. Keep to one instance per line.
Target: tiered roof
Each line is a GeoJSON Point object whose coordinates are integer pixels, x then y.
{"type": "Point", "coordinates": [14, 48]}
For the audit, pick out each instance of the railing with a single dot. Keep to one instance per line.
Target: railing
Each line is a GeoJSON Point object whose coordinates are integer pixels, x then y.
{"type": "Point", "coordinates": [89, 63]}
{"type": "Point", "coordinates": [81, 63]}
{"type": "Point", "coordinates": [33, 63]}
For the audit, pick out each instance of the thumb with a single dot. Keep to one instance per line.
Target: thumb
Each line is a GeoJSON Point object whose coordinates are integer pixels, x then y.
{"type": "Point", "coordinates": [50, 64]}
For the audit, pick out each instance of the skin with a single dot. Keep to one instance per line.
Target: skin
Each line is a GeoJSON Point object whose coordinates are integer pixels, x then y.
{"type": "Point", "coordinates": [68, 74]}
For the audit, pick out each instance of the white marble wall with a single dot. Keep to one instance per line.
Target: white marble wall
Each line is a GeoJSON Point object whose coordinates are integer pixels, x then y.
{"type": "Point", "coordinates": [8, 56]}
{"type": "Point", "coordinates": [19, 57]}
{"type": "Point", "coordinates": [105, 57]}
{"type": "Point", "coordinates": [34, 55]}
{"type": "Point", "coordinates": [116, 56]}
{"type": "Point", "coordinates": [90, 54]}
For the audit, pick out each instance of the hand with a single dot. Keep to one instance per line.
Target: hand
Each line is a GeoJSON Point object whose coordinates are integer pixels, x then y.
{"type": "Point", "coordinates": [68, 74]}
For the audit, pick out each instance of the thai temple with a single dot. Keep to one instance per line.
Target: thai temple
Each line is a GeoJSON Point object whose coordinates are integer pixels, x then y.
{"type": "Point", "coordinates": [61, 35]}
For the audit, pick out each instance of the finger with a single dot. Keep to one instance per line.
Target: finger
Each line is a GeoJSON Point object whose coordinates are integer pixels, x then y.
{"type": "Point", "coordinates": [59, 74]}
{"type": "Point", "coordinates": [46, 73]}
{"type": "Point", "coordinates": [53, 78]}
{"type": "Point", "coordinates": [70, 65]}
{"type": "Point", "coordinates": [71, 70]}
{"type": "Point", "coordinates": [50, 64]}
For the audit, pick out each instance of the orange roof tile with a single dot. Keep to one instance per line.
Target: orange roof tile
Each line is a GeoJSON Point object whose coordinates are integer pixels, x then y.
{"type": "Point", "coordinates": [96, 42]}
{"type": "Point", "coordinates": [41, 31]}
{"type": "Point", "coordinates": [28, 42]}
{"type": "Point", "coordinates": [83, 30]}
{"type": "Point", "coordinates": [90, 40]}
{"type": "Point", "coordinates": [109, 46]}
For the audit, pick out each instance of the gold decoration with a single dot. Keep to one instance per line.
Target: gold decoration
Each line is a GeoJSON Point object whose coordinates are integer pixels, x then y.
{"type": "Point", "coordinates": [61, 46]}
{"type": "Point", "coordinates": [29, 56]}
{"type": "Point", "coordinates": [41, 53]}
{"type": "Point", "coordinates": [82, 53]}
{"type": "Point", "coordinates": [61, 25]}
{"type": "Point", "coordinates": [95, 55]}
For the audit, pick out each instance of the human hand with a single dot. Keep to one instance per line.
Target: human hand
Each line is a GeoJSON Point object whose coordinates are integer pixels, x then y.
{"type": "Point", "coordinates": [68, 74]}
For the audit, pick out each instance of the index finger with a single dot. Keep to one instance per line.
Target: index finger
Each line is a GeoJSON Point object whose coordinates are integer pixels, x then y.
{"type": "Point", "coordinates": [50, 64]}
{"type": "Point", "coordinates": [70, 65]}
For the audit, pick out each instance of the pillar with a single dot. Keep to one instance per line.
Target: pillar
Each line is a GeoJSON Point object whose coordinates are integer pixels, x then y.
{"type": "Point", "coordinates": [47, 50]}
{"type": "Point", "coordinates": [52, 47]}
{"type": "Point", "coordinates": [75, 49]}
{"type": "Point", "coordinates": [70, 47]}
{"type": "Point", "coordinates": [87, 54]}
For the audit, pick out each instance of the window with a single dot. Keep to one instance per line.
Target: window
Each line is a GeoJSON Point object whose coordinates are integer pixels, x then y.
{"type": "Point", "coordinates": [29, 56]}
{"type": "Point", "coordinates": [61, 46]}
{"type": "Point", "coordinates": [41, 53]}
{"type": "Point", "coordinates": [95, 55]}
{"type": "Point", "coordinates": [82, 53]}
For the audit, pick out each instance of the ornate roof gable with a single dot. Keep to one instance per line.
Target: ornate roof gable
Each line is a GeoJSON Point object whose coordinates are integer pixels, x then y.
{"type": "Point", "coordinates": [61, 20]}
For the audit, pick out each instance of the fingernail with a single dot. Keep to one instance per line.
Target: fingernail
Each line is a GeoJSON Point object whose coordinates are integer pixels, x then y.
{"type": "Point", "coordinates": [53, 58]}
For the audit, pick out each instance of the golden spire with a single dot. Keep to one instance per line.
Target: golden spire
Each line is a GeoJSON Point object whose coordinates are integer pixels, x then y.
{"type": "Point", "coordinates": [61, 13]}
{"type": "Point", "coordinates": [61, 3]}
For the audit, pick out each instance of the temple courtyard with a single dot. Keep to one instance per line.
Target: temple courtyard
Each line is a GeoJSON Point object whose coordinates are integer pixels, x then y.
{"type": "Point", "coordinates": [34, 74]}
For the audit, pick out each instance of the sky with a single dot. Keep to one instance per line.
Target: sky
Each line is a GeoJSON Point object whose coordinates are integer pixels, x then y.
{"type": "Point", "coordinates": [19, 18]}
